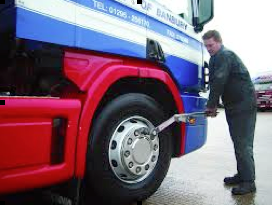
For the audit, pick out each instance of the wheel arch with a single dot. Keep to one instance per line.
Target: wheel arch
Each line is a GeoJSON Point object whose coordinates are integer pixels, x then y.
{"type": "Point", "coordinates": [116, 81]}
{"type": "Point", "coordinates": [145, 86]}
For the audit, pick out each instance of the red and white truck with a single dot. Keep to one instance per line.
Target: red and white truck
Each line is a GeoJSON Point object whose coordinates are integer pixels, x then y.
{"type": "Point", "coordinates": [263, 89]}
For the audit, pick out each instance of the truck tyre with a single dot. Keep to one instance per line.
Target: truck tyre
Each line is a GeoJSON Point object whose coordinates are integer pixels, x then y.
{"type": "Point", "coordinates": [123, 165]}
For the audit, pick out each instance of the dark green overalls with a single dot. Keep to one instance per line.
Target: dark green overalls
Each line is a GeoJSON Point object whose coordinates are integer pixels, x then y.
{"type": "Point", "coordinates": [230, 79]}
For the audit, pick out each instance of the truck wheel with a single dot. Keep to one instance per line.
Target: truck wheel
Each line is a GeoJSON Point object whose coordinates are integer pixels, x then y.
{"type": "Point", "coordinates": [122, 165]}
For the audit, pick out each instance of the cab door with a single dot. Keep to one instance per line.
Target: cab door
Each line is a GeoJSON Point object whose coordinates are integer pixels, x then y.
{"type": "Point", "coordinates": [180, 44]}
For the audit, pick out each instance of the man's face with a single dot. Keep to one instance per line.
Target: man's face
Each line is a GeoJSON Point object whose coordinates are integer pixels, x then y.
{"type": "Point", "coordinates": [212, 46]}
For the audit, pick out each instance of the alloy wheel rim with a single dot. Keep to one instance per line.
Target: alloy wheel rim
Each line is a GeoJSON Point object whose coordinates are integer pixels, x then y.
{"type": "Point", "coordinates": [132, 155]}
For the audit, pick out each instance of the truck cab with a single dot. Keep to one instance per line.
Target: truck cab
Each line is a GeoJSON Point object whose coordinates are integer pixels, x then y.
{"type": "Point", "coordinates": [263, 88]}
{"type": "Point", "coordinates": [79, 78]}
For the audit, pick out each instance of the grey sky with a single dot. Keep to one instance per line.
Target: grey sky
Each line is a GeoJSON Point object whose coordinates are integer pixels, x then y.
{"type": "Point", "coordinates": [245, 28]}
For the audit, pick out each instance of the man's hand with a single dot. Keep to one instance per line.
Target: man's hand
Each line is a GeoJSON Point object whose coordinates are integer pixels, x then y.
{"type": "Point", "coordinates": [211, 112]}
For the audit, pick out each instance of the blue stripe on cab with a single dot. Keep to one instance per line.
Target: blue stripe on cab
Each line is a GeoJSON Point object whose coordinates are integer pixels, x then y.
{"type": "Point", "coordinates": [178, 35]}
{"type": "Point", "coordinates": [34, 26]}
{"type": "Point", "coordinates": [88, 39]}
{"type": "Point", "coordinates": [52, 31]}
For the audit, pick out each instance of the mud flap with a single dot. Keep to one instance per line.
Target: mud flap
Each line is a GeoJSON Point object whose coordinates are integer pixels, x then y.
{"type": "Point", "coordinates": [64, 194]}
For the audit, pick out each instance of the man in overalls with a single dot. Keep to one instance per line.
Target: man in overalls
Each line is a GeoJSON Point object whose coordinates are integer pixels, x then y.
{"type": "Point", "coordinates": [230, 79]}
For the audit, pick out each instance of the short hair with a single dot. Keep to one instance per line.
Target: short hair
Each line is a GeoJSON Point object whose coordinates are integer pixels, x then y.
{"type": "Point", "coordinates": [212, 34]}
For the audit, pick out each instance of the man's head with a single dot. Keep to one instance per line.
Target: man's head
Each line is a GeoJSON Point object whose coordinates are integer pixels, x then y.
{"type": "Point", "coordinates": [212, 41]}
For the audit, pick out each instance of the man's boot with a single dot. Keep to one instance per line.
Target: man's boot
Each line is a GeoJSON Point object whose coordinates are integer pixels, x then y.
{"type": "Point", "coordinates": [244, 188]}
{"type": "Point", "coordinates": [232, 180]}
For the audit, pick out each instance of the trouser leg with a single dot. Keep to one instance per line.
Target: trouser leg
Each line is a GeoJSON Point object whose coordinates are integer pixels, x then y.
{"type": "Point", "coordinates": [242, 128]}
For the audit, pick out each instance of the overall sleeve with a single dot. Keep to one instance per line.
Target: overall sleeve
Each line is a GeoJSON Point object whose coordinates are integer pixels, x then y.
{"type": "Point", "coordinates": [222, 66]}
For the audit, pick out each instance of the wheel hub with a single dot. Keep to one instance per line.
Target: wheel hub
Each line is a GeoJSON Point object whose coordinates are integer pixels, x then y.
{"type": "Point", "coordinates": [141, 150]}
{"type": "Point", "coordinates": [132, 155]}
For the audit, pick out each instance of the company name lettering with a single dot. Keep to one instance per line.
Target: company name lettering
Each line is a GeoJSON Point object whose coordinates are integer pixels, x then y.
{"type": "Point", "coordinates": [170, 18]}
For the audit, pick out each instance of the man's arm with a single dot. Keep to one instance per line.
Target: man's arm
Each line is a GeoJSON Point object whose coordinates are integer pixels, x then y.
{"type": "Point", "coordinates": [217, 82]}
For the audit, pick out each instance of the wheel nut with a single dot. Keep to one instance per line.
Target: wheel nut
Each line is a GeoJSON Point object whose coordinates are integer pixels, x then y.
{"type": "Point", "coordinates": [145, 131]}
{"type": "Point", "coordinates": [152, 136]}
{"type": "Point", "coordinates": [146, 167]}
{"type": "Point", "coordinates": [127, 153]}
{"type": "Point", "coordinates": [136, 133]}
{"type": "Point", "coordinates": [130, 165]}
{"type": "Point", "coordinates": [155, 147]}
{"type": "Point", "coordinates": [138, 169]}
{"type": "Point", "coordinates": [129, 142]}
{"type": "Point", "coordinates": [153, 158]}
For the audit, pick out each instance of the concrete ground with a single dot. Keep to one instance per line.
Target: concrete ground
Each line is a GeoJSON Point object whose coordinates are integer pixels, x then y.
{"type": "Point", "coordinates": [197, 179]}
